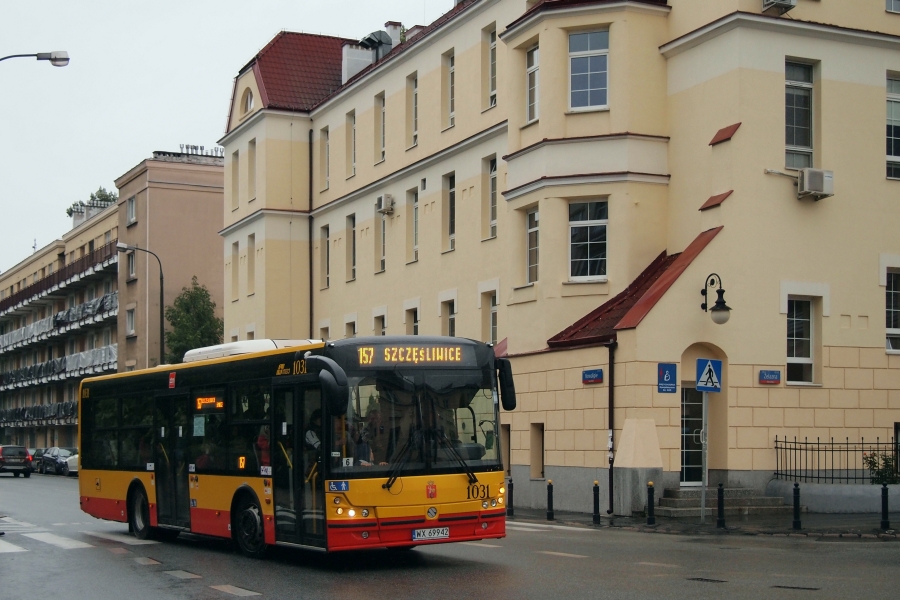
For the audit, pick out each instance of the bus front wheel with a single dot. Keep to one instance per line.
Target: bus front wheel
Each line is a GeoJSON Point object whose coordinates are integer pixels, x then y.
{"type": "Point", "coordinates": [139, 515]}
{"type": "Point", "coordinates": [247, 527]}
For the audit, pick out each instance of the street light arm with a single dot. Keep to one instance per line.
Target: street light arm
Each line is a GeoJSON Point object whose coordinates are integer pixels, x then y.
{"type": "Point", "coordinates": [57, 58]}
{"type": "Point", "coordinates": [122, 247]}
{"type": "Point", "coordinates": [19, 56]}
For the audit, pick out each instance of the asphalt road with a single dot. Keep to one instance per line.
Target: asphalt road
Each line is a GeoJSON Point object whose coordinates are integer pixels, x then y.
{"type": "Point", "coordinates": [53, 550]}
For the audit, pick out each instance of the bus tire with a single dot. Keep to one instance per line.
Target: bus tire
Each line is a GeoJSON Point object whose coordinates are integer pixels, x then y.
{"type": "Point", "coordinates": [247, 526]}
{"type": "Point", "coordinates": [139, 513]}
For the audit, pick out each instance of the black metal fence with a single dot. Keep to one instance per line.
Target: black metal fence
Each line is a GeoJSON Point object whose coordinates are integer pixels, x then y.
{"type": "Point", "coordinates": [830, 461]}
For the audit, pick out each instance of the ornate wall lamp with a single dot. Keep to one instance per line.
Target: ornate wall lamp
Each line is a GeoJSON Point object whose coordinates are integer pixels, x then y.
{"type": "Point", "coordinates": [720, 312]}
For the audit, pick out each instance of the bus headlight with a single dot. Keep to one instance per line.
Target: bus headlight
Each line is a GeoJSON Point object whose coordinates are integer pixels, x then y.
{"type": "Point", "coordinates": [499, 500]}
{"type": "Point", "coordinates": [502, 490]}
{"type": "Point", "coordinates": [340, 511]}
{"type": "Point", "coordinates": [351, 513]}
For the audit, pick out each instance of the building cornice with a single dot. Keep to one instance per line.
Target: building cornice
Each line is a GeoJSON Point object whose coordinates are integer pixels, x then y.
{"type": "Point", "coordinates": [779, 25]}
{"type": "Point", "coordinates": [449, 152]}
{"type": "Point", "coordinates": [259, 214]}
{"type": "Point", "coordinates": [543, 11]}
{"type": "Point", "coordinates": [583, 179]}
{"type": "Point", "coordinates": [256, 118]}
{"type": "Point", "coordinates": [627, 135]}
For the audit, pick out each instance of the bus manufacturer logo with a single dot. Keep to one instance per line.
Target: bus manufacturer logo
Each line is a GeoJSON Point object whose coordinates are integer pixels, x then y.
{"type": "Point", "coordinates": [282, 370]}
{"type": "Point", "coordinates": [432, 512]}
{"type": "Point", "coordinates": [431, 490]}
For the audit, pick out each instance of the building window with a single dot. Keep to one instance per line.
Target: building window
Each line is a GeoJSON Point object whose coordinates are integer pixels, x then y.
{"type": "Point", "coordinates": [537, 450]}
{"type": "Point", "coordinates": [129, 323]}
{"type": "Point", "coordinates": [351, 255]}
{"type": "Point", "coordinates": [451, 88]}
{"type": "Point", "coordinates": [251, 170]}
{"type": "Point", "coordinates": [588, 58]}
{"type": "Point", "coordinates": [533, 237]}
{"type": "Point", "coordinates": [798, 116]}
{"type": "Point", "coordinates": [451, 211]}
{"type": "Point", "coordinates": [412, 321]}
{"type": "Point", "coordinates": [587, 240]}
{"type": "Point", "coordinates": [324, 334]}
{"type": "Point", "coordinates": [251, 264]}
{"type": "Point", "coordinates": [893, 126]}
{"type": "Point", "coordinates": [131, 267]}
{"type": "Point", "coordinates": [892, 5]}
{"type": "Point", "coordinates": [381, 325]}
{"type": "Point", "coordinates": [448, 310]}
{"type": "Point", "coordinates": [130, 210]}
{"type": "Point", "coordinates": [248, 101]}
{"type": "Point", "coordinates": [412, 84]}
{"type": "Point", "coordinates": [892, 304]}
{"type": "Point", "coordinates": [799, 341]}
{"type": "Point", "coordinates": [532, 64]}
{"type": "Point", "coordinates": [492, 69]}
{"type": "Point", "coordinates": [350, 329]}
{"type": "Point", "coordinates": [351, 144]}
{"type": "Point", "coordinates": [492, 197]}
{"type": "Point", "coordinates": [326, 257]}
{"type": "Point", "coordinates": [380, 131]}
{"type": "Point", "coordinates": [235, 180]}
{"type": "Point", "coordinates": [326, 157]}
{"type": "Point", "coordinates": [235, 270]}
{"type": "Point", "coordinates": [494, 318]}
{"type": "Point", "coordinates": [412, 202]}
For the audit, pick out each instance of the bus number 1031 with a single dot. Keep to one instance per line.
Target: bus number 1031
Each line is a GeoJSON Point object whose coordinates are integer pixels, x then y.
{"type": "Point", "coordinates": [478, 492]}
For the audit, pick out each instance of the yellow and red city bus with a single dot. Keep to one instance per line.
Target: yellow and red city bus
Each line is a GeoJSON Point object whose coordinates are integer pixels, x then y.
{"type": "Point", "coordinates": [358, 443]}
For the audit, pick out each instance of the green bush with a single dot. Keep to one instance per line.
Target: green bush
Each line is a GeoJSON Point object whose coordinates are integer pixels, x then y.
{"type": "Point", "coordinates": [882, 468]}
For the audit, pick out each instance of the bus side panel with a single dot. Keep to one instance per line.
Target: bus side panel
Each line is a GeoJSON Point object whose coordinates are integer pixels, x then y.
{"type": "Point", "coordinates": [211, 497]}
{"type": "Point", "coordinates": [104, 494]}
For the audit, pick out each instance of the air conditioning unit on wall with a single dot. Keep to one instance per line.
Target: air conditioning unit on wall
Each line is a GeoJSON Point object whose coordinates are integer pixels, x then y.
{"type": "Point", "coordinates": [815, 183]}
{"type": "Point", "coordinates": [778, 7]}
{"type": "Point", "coordinates": [384, 204]}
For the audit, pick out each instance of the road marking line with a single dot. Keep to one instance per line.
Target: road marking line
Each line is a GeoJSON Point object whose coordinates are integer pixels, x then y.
{"type": "Point", "coordinates": [119, 550]}
{"type": "Point", "coordinates": [7, 547]}
{"type": "Point", "coordinates": [59, 524]}
{"type": "Point", "coordinates": [118, 537]}
{"type": "Point", "coordinates": [480, 545]}
{"type": "Point", "coordinates": [561, 554]}
{"type": "Point", "coordinates": [183, 575]}
{"type": "Point", "coordinates": [12, 521]}
{"type": "Point", "coordinates": [540, 527]}
{"type": "Point", "coordinates": [59, 542]}
{"type": "Point", "coordinates": [143, 560]}
{"type": "Point", "coordinates": [650, 564]}
{"type": "Point", "coordinates": [509, 528]}
{"type": "Point", "coordinates": [234, 591]}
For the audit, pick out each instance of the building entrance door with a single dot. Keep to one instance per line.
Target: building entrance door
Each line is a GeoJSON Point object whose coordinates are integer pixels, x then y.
{"type": "Point", "coordinates": [691, 446]}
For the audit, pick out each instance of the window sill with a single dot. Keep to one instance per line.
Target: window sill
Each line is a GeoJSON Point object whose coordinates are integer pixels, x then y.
{"type": "Point", "coordinates": [893, 178]}
{"type": "Point", "coordinates": [416, 145]}
{"type": "Point", "coordinates": [233, 300]}
{"type": "Point", "coordinates": [801, 384]}
{"type": "Point", "coordinates": [586, 281]}
{"type": "Point", "coordinates": [349, 177]}
{"type": "Point", "coordinates": [324, 189]}
{"type": "Point", "coordinates": [448, 251]}
{"type": "Point", "coordinates": [233, 209]}
{"type": "Point", "coordinates": [894, 352]}
{"type": "Point", "coordinates": [412, 262]}
{"type": "Point", "coordinates": [489, 108]}
{"type": "Point", "coordinates": [253, 199]}
{"type": "Point", "coordinates": [131, 224]}
{"type": "Point", "coordinates": [379, 272]}
{"type": "Point", "coordinates": [251, 294]}
{"type": "Point", "coordinates": [529, 124]}
{"type": "Point", "coordinates": [592, 109]}
{"type": "Point", "coordinates": [350, 280]}
{"type": "Point", "coordinates": [131, 336]}
{"type": "Point", "coordinates": [324, 288]}
{"type": "Point", "coordinates": [379, 162]}
{"type": "Point", "coordinates": [487, 239]}
{"type": "Point", "coordinates": [448, 128]}
{"type": "Point", "coordinates": [131, 279]}
{"type": "Point", "coordinates": [522, 287]}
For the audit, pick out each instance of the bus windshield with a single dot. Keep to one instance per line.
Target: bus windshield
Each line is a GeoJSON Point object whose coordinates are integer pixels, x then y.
{"type": "Point", "coordinates": [415, 423]}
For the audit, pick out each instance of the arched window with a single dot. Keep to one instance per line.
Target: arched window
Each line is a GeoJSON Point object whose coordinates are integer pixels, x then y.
{"type": "Point", "coordinates": [247, 101]}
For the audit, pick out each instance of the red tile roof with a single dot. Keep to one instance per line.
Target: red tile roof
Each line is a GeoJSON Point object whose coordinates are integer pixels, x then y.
{"type": "Point", "coordinates": [296, 71]}
{"type": "Point", "coordinates": [599, 326]}
{"type": "Point", "coordinates": [716, 200]}
{"type": "Point", "coordinates": [725, 134]}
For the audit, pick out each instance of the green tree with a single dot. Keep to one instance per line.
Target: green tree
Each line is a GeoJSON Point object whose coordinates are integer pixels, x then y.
{"type": "Point", "coordinates": [99, 199]}
{"type": "Point", "coordinates": [193, 322]}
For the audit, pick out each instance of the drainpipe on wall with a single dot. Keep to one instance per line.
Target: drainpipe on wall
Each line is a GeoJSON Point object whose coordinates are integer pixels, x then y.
{"type": "Point", "coordinates": [612, 422]}
{"type": "Point", "coordinates": [310, 220]}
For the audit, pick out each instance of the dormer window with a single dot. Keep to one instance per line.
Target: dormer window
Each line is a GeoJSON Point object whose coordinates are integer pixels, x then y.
{"type": "Point", "coordinates": [247, 101]}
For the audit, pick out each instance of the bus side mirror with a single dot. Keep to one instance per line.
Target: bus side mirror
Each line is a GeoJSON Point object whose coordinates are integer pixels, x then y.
{"type": "Point", "coordinates": [507, 386]}
{"type": "Point", "coordinates": [333, 380]}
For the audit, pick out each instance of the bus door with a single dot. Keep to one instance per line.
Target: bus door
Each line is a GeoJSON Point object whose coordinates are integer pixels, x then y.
{"type": "Point", "coordinates": [296, 458]}
{"type": "Point", "coordinates": [172, 434]}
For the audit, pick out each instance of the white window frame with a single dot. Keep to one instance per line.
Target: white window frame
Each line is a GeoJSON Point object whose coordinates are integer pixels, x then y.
{"type": "Point", "coordinates": [131, 210]}
{"type": "Point", "coordinates": [532, 82]}
{"type": "Point", "coordinates": [327, 136]}
{"type": "Point", "coordinates": [451, 89]}
{"type": "Point", "coordinates": [415, 110]}
{"type": "Point", "coordinates": [451, 318]}
{"type": "Point", "coordinates": [536, 229]}
{"type": "Point", "coordinates": [326, 243]}
{"type": "Point", "coordinates": [352, 219]}
{"type": "Point", "coordinates": [492, 69]}
{"type": "Point", "coordinates": [589, 223]}
{"type": "Point", "coordinates": [803, 360]}
{"type": "Point", "coordinates": [892, 335]}
{"type": "Point", "coordinates": [892, 6]}
{"type": "Point", "coordinates": [893, 99]}
{"type": "Point", "coordinates": [451, 210]}
{"type": "Point", "coordinates": [353, 144]}
{"type": "Point", "coordinates": [492, 198]}
{"type": "Point", "coordinates": [588, 54]}
{"type": "Point", "coordinates": [383, 132]}
{"type": "Point", "coordinates": [493, 324]}
{"type": "Point", "coordinates": [416, 225]}
{"type": "Point", "coordinates": [415, 316]}
{"type": "Point", "coordinates": [383, 241]}
{"type": "Point", "coordinates": [129, 322]}
{"type": "Point", "coordinates": [130, 262]}
{"type": "Point", "coordinates": [789, 83]}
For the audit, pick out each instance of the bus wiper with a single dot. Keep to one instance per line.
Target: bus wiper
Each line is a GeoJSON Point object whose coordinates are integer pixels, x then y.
{"type": "Point", "coordinates": [403, 458]}
{"type": "Point", "coordinates": [445, 441]}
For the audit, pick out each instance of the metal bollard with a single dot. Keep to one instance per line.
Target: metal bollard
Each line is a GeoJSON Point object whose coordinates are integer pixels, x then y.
{"type": "Point", "coordinates": [651, 511]}
{"type": "Point", "coordinates": [549, 499]}
{"type": "Point", "coordinates": [510, 511]}
{"type": "Point", "coordinates": [596, 502]}
{"type": "Point", "coordinates": [797, 506]}
{"type": "Point", "coordinates": [885, 523]}
{"type": "Point", "coordinates": [720, 518]}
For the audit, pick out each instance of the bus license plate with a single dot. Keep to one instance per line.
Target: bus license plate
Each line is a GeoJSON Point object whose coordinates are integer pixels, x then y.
{"type": "Point", "coordinates": [436, 533]}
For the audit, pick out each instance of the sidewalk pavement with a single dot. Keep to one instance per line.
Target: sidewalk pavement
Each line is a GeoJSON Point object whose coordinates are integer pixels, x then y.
{"type": "Point", "coordinates": [841, 526]}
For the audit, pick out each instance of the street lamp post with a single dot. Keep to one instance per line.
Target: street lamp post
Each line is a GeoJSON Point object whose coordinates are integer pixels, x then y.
{"type": "Point", "coordinates": [122, 247]}
{"type": "Point", "coordinates": [60, 58]}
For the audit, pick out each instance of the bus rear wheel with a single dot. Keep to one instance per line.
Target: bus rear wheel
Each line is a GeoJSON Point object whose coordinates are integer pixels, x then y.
{"type": "Point", "coordinates": [247, 527]}
{"type": "Point", "coordinates": [139, 515]}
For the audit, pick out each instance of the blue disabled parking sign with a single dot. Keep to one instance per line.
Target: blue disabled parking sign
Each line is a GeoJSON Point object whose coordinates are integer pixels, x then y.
{"type": "Point", "coordinates": [709, 375]}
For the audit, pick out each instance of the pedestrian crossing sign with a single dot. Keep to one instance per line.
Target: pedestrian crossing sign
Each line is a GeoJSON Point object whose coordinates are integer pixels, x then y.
{"type": "Point", "coordinates": [709, 375]}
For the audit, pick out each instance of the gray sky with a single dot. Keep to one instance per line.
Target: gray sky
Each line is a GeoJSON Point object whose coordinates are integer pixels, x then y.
{"type": "Point", "coordinates": [143, 76]}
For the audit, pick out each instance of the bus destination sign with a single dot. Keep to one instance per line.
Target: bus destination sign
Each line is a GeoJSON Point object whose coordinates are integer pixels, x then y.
{"type": "Point", "coordinates": [392, 355]}
{"type": "Point", "coordinates": [210, 404]}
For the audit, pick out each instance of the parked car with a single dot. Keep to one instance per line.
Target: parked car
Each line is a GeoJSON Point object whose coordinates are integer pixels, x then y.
{"type": "Point", "coordinates": [54, 460]}
{"type": "Point", "coordinates": [72, 465]}
{"type": "Point", "coordinates": [15, 460]}
{"type": "Point", "coordinates": [36, 455]}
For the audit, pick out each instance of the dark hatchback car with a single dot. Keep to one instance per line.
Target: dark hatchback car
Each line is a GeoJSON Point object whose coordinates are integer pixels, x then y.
{"type": "Point", "coordinates": [15, 460]}
{"type": "Point", "coordinates": [54, 460]}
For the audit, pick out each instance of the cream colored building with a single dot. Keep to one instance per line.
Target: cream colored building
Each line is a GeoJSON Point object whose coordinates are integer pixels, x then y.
{"type": "Point", "coordinates": [71, 310]}
{"type": "Point", "coordinates": [562, 177]}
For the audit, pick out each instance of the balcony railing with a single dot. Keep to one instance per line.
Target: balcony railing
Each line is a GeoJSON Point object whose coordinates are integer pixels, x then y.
{"type": "Point", "coordinates": [60, 322]}
{"type": "Point", "coordinates": [83, 264]}
{"type": "Point", "coordinates": [41, 414]}
{"type": "Point", "coordinates": [90, 362]}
